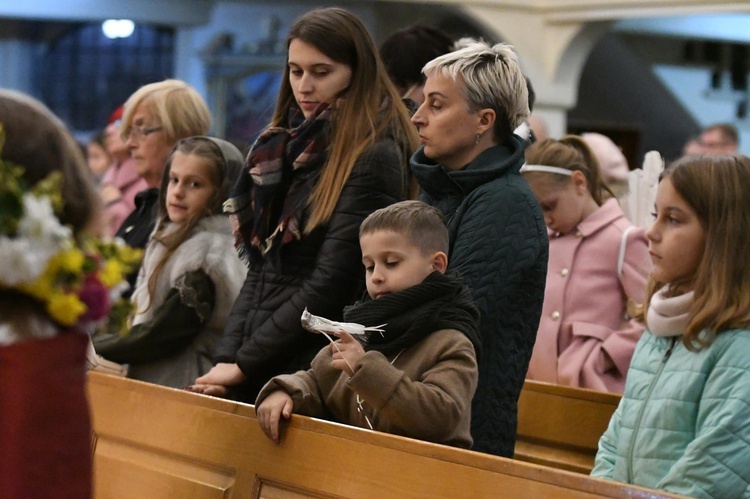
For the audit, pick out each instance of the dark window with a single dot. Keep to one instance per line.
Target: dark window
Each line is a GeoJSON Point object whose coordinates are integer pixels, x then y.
{"type": "Point", "coordinates": [83, 75]}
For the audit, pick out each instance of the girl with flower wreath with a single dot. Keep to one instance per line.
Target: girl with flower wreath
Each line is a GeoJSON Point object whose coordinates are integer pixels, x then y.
{"type": "Point", "coordinates": [190, 274]}
{"type": "Point", "coordinates": [336, 150]}
{"type": "Point", "coordinates": [55, 282]}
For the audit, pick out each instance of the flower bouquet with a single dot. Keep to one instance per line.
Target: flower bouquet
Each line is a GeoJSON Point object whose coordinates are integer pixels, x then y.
{"type": "Point", "coordinates": [77, 280]}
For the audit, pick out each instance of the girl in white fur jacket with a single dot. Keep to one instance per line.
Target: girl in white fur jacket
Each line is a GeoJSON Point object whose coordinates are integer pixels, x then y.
{"type": "Point", "coordinates": [190, 275]}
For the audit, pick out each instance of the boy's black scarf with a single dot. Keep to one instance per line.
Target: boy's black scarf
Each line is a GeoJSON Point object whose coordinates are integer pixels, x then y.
{"type": "Point", "coordinates": [283, 166]}
{"type": "Point", "coordinates": [441, 301]}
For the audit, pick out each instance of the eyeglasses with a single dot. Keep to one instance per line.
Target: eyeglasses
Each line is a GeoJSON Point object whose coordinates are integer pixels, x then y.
{"type": "Point", "coordinates": [139, 132]}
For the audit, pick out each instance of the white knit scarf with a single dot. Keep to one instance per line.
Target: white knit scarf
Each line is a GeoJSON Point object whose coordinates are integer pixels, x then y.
{"type": "Point", "coordinates": [668, 316]}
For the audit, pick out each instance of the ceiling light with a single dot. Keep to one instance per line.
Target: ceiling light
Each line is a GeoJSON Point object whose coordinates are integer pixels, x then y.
{"type": "Point", "coordinates": [118, 28]}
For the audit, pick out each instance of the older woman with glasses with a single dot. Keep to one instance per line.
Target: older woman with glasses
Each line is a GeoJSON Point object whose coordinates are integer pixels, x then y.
{"type": "Point", "coordinates": [156, 116]}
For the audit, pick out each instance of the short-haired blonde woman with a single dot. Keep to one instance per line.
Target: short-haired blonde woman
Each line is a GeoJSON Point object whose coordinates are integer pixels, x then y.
{"type": "Point", "coordinates": [336, 150]}
{"type": "Point", "coordinates": [155, 117]}
{"type": "Point", "coordinates": [468, 167]}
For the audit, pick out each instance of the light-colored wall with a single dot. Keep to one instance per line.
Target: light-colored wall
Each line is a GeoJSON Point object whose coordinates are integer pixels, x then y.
{"type": "Point", "coordinates": [689, 85]}
{"type": "Point", "coordinates": [15, 64]}
{"type": "Point", "coordinates": [248, 23]}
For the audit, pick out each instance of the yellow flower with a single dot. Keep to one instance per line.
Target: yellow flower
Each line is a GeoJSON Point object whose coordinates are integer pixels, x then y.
{"type": "Point", "coordinates": [76, 262]}
{"type": "Point", "coordinates": [130, 256]}
{"type": "Point", "coordinates": [70, 260]}
{"type": "Point", "coordinates": [65, 308]}
{"type": "Point", "coordinates": [112, 273]}
{"type": "Point", "coordinates": [40, 289]}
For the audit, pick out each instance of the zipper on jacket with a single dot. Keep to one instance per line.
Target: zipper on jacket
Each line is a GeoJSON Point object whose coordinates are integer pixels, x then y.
{"type": "Point", "coordinates": [633, 439]}
{"type": "Point", "coordinates": [669, 350]}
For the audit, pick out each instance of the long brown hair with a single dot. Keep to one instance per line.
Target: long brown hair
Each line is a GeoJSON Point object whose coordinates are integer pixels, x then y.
{"type": "Point", "coordinates": [572, 153]}
{"type": "Point", "coordinates": [716, 188]}
{"type": "Point", "coordinates": [223, 175]}
{"type": "Point", "coordinates": [370, 107]}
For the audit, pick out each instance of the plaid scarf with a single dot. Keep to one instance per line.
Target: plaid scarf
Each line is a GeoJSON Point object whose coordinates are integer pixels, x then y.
{"type": "Point", "coordinates": [282, 168]}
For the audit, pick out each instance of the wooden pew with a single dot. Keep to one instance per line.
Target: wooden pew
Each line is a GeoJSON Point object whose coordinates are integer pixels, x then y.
{"type": "Point", "coordinates": [157, 442]}
{"type": "Point", "coordinates": [560, 426]}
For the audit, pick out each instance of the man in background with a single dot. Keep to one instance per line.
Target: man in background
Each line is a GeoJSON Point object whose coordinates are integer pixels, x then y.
{"type": "Point", "coordinates": [721, 138]}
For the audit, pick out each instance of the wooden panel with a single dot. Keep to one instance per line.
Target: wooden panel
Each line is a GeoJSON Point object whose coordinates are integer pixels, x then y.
{"type": "Point", "coordinates": [158, 442]}
{"type": "Point", "coordinates": [121, 465]}
{"type": "Point", "coordinates": [560, 426]}
{"type": "Point", "coordinates": [271, 489]}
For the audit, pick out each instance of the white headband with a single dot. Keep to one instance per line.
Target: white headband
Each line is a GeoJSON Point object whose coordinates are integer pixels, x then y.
{"type": "Point", "coordinates": [545, 169]}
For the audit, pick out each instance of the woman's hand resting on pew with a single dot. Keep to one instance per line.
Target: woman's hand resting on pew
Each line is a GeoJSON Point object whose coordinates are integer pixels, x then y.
{"type": "Point", "coordinates": [218, 379]}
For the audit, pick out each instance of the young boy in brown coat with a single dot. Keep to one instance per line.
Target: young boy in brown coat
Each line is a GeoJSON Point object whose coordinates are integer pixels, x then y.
{"type": "Point", "coordinates": [417, 379]}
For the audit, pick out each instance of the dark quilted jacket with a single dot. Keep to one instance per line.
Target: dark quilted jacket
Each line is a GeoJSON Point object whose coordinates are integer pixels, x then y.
{"type": "Point", "coordinates": [322, 271]}
{"type": "Point", "coordinates": [499, 244]}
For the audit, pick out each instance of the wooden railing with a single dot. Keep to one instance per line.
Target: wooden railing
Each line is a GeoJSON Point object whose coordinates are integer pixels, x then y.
{"type": "Point", "coordinates": [157, 442]}
{"type": "Point", "coordinates": [560, 426]}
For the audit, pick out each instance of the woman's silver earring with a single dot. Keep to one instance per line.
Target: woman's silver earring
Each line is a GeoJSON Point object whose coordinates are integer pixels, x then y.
{"type": "Point", "coordinates": [478, 137]}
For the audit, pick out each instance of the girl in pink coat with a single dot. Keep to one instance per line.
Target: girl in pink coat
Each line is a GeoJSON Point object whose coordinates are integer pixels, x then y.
{"type": "Point", "coordinates": [598, 265]}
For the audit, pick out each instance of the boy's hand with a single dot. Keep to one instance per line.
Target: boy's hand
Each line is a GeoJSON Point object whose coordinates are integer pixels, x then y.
{"type": "Point", "coordinates": [269, 412]}
{"type": "Point", "coordinates": [346, 353]}
{"type": "Point", "coordinates": [222, 374]}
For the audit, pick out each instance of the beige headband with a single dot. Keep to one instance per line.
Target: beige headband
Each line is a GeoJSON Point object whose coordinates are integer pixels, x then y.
{"type": "Point", "coordinates": [545, 169]}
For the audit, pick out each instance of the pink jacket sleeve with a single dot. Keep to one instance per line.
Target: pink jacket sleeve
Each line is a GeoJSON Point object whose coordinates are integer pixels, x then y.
{"type": "Point", "coordinates": [126, 179]}
{"type": "Point", "coordinates": [598, 357]}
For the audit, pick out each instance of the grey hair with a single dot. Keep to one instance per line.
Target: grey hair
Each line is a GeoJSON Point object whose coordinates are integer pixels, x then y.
{"type": "Point", "coordinates": [491, 78]}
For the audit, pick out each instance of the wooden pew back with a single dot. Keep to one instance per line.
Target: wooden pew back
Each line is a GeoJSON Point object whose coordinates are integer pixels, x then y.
{"type": "Point", "coordinates": [157, 442]}
{"type": "Point", "coordinates": [560, 426]}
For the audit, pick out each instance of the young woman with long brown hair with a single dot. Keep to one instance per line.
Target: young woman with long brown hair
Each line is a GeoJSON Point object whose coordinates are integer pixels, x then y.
{"type": "Point", "coordinates": [336, 150]}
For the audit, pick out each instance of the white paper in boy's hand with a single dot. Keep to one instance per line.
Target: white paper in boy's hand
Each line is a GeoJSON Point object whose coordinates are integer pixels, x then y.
{"type": "Point", "coordinates": [316, 324]}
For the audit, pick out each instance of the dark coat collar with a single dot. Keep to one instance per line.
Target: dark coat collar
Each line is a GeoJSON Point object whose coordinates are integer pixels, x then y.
{"type": "Point", "coordinates": [492, 163]}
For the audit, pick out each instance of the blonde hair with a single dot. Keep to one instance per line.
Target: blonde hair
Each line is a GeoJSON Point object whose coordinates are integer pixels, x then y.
{"type": "Point", "coordinates": [571, 153]}
{"type": "Point", "coordinates": [716, 188]}
{"type": "Point", "coordinates": [420, 224]}
{"type": "Point", "coordinates": [489, 77]}
{"type": "Point", "coordinates": [371, 106]}
{"type": "Point", "coordinates": [178, 107]}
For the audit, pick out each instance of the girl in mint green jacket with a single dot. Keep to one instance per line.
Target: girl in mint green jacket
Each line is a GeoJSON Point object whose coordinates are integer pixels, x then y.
{"type": "Point", "coordinates": [683, 424]}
